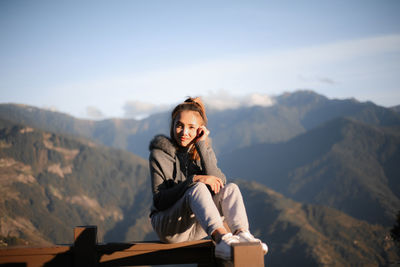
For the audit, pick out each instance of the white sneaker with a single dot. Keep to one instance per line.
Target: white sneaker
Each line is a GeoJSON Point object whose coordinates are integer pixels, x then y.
{"type": "Point", "coordinates": [245, 236]}
{"type": "Point", "coordinates": [223, 249]}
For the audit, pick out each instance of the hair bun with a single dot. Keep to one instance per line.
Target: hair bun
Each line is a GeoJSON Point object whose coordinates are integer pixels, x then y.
{"type": "Point", "coordinates": [198, 101]}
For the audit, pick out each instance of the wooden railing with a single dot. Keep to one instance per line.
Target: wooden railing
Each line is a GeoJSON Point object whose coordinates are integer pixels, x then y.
{"type": "Point", "coordinates": [86, 252]}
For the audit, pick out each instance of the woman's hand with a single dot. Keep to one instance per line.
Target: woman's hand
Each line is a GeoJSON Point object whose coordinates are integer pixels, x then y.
{"type": "Point", "coordinates": [202, 133]}
{"type": "Point", "coordinates": [214, 182]}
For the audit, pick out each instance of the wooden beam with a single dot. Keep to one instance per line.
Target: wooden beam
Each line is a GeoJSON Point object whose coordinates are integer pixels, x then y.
{"type": "Point", "coordinates": [59, 256]}
{"type": "Point", "coordinates": [86, 252]}
{"type": "Point", "coordinates": [146, 253]}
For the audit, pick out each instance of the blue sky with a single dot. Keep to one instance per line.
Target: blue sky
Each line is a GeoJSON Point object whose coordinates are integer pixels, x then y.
{"type": "Point", "coordinates": [99, 59]}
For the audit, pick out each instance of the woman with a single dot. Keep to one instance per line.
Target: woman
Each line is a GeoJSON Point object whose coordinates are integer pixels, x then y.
{"type": "Point", "coordinates": [190, 194]}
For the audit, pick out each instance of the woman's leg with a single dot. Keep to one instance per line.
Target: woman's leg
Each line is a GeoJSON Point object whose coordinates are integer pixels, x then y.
{"type": "Point", "coordinates": [229, 202]}
{"type": "Point", "coordinates": [187, 218]}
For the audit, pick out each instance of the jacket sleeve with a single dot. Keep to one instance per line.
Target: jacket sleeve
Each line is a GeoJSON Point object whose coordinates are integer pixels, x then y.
{"type": "Point", "coordinates": [209, 160]}
{"type": "Point", "coordinates": [166, 190]}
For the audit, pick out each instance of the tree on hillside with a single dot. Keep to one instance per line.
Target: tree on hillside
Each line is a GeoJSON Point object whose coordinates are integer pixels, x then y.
{"type": "Point", "coordinates": [395, 232]}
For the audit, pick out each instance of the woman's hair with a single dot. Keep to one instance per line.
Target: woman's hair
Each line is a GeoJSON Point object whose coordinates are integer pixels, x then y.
{"type": "Point", "coordinates": [190, 104]}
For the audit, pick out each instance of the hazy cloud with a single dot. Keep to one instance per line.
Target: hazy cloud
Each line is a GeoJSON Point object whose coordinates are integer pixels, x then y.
{"type": "Point", "coordinates": [258, 100]}
{"type": "Point", "coordinates": [328, 81]}
{"type": "Point", "coordinates": [218, 100]}
{"type": "Point", "coordinates": [321, 80]}
{"type": "Point", "coordinates": [222, 99]}
{"type": "Point", "coordinates": [94, 113]}
{"type": "Point", "coordinates": [139, 109]}
{"type": "Point", "coordinates": [51, 108]}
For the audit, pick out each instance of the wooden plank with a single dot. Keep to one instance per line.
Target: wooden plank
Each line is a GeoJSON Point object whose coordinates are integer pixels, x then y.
{"type": "Point", "coordinates": [25, 251]}
{"type": "Point", "coordinates": [112, 254]}
{"type": "Point", "coordinates": [86, 252]}
{"type": "Point", "coordinates": [61, 260]}
{"type": "Point", "coordinates": [151, 245]}
{"type": "Point", "coordinates": [35, 257]}
{"type": "Point", "coordinates": [157, 253]}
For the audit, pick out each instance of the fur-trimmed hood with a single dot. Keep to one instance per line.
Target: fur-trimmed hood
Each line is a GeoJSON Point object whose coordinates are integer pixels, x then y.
{"type": "Point", "coordinates": [163, 143]}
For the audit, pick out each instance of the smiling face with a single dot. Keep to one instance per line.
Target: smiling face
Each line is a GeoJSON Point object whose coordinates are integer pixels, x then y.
{"type": "Point", "coordinates": [185, 127]}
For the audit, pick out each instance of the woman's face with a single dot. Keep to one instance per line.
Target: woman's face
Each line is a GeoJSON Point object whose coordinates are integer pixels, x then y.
{"type": "Point", "coordinates": [185, 127]}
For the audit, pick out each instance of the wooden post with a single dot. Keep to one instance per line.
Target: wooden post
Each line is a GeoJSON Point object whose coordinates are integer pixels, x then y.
{"type": "Point", "coordinates": [85, 246]}
{"type": "Point", "coordinates": [247, 254]}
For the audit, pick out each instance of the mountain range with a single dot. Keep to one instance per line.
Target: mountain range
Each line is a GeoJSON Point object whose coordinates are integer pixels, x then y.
{"type": "Point", "coordinates": [292, 114]}
{"type": "Point", "coordinates": [319, 176]}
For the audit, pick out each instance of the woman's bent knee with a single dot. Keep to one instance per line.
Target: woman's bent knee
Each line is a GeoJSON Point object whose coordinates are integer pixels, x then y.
{"type": "Point", "coordinates": [198, 188]}
{"type": "Point", "coordinates": [231, 187]}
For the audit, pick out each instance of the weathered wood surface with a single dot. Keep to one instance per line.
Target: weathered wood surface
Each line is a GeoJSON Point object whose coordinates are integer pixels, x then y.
{"type": "Point", "coordinates": [33, 257]}
{"type": "Point", "coordinates": [86, 252]}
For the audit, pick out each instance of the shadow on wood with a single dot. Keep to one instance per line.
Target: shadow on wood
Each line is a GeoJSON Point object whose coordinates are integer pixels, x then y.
{"type": "Point", "coordinates": [86, 252]}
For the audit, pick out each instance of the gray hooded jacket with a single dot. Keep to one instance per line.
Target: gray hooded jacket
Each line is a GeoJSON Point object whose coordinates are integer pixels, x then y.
{"type": "Point", "coordinates": [172, 171]}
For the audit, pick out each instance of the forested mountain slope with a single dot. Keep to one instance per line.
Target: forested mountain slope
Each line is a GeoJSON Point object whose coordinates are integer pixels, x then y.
{"type": "Point", "coordinates": [345, 164]}
{"type": "Point", "coordinates": [313, 235]}
{"type": "Point", "coordinates": [51, 183]}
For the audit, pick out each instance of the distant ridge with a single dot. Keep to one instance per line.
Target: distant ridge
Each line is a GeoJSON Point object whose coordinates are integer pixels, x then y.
{"type": "Point", "coordinates": [293, 114]}
{"type": "Point", "coordinates": [396, 108]}
{"type": "Point", "coordinates": [118, 133]}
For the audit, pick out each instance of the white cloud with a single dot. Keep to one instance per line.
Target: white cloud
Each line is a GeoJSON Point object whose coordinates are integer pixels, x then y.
{"type": "Point", "coordinates": [94, 113]}
{"type": "Point", "coordinates": [218, 100]}
{"type": "Point", "coordinates": [51, 108]}
{"type": "Point", "coordinates": [222, 99]}
{"type": "Point", "coordinates": [259, 100]}
{"type": "Point", "coordinates": [137, 109]}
